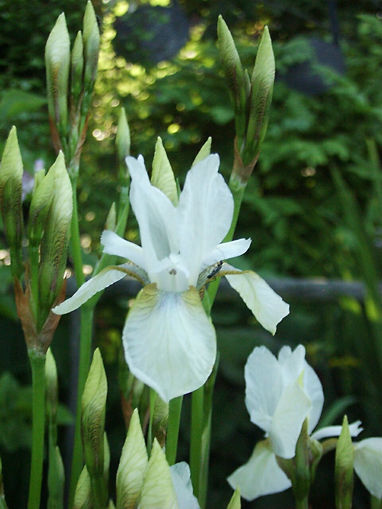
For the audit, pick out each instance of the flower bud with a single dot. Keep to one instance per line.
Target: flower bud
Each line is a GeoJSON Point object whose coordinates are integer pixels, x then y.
{"type": "Point", "coordinates": [93, 416]}
{"type": "Point", "coordinates": [158, 489]}
{"type": "Point", "coordinates": [51, 385]}
{"type": "Point", "coordinates": [235, 502]}
{"type": "Point", "coordinates": [111, 219]}
{"type": "Point", "coordinates": [91, 46]}
{"type": "Point", "coordinates": [82, 495]}
{"type": "Point", "coordinates": [262, 80]}
{"type": "Point", "coordinates": [122, 139]}
{"type": "Point", "coordinates": [56, 237]}
{"type": "Point", "coordinates": [203, 152]}
{"type": "Point", "coordinates": [344, 468]}
{"type": "Point", "coordinates": [56, 479]}
{"type": "Point", "coordinates": [57, 62]}
{"type": "Point", "coordinates": [77, 67]}
{"type": "Point", "coordinates": [11, 174]}
{"type": "Point", "coordinates": [160, 418]}
{"type": "Point", "coordinates": [40, 204]}
{"type": "Point", "coordinates": [162, 175]}
{"type": "Point", "coordinates": [132, 466]}
{"type": "Point", "coordinates": [111, 505]}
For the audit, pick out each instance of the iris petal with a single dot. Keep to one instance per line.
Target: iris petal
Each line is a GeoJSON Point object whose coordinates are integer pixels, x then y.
{"type": "Point", "coordinates": [116, 245]}
{"type": "Point", "coordinates": [368, 464]}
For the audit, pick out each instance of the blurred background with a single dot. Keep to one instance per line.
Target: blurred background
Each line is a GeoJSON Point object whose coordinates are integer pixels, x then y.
{"type": "Point", "coordinates": [313, 206]}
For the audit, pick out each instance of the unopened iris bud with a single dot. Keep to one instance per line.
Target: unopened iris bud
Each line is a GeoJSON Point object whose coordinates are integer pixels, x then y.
{"type": "Point", "coordinates": [91, 46]}
{"type": "Point", "coordinates": [56, 479]}
{"type": "Point", "coordinates": [57, 61]}
{"type": "Point", "coordinates": [162, 175]}
{"type": "Point", "coordinates": [111, 219]}
{"type": "Point", "coordinates": [123, 139]}
{"type": "Point", "coordinates": [132, 466]}
{"type": "Point", "coordinates": [56, 237]}
{"type": "Point", "coordinates": [11, 174]}
{"type": "Point", "coordinates": [158, 488]}
{"type": "Point", "coordinates": [51, 385]}
{"type": "Point", "coordinates": [203, 152]}
{"type": "Point", "coordinates": [111, 505]}
{"type": "Point", "coordinates": [344, 468]}
{"type": "Point", "coordinates": [235, 502]}
{"type": "Point", "coordinates": [82, 495]}
{"type": "Point", "coordinates": [262, 81]}
{"type": "Point", "coordinates": [77, 67]}
{"type": "Point", "coordinates": [40, 205]}
{"type": "Point", "coordinates": [93, 416]}
{"type": "Point", "coordinates": [160, 418]}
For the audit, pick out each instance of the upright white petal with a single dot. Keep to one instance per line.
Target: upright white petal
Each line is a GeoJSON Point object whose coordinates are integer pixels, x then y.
{"type": "Point", "coordinates": [368, 464]}
{"type": "Point", "coordinates": [156, 215]}
{"type": "Point", "coordinates": [268, 307]}
{"type": "Point", "coordinates": [261, 475]}
{"type": "Point", "coordinates": [226, 250]}
{"type": "Point", "coordinates": [206, 209]}
{"type": "Point", "coordinates": [169, 341]}
{"type": "Point", "coordinates": [313, 388]}
{"type": "Point", "coordinates": [94, 285]}
{"type": "Point", "coordinates": [116, 245]}
{"type": "Point", "coordinates": [181, 478]}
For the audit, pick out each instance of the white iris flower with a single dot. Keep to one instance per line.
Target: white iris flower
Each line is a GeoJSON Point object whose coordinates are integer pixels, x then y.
{"type": "Point", "coordinates": [280, 394]}
{"type": "Point", "coordinates": [169, 340]}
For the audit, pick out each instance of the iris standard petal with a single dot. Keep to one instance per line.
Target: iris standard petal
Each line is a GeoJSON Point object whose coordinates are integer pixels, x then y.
{"type": "Point", "coordinates": [169, 341]}
{"type": "Point", "coordinates": [225, 251]}
{"type": "Point", "coordinates": [181, 478]}
{"type": "Point", "coordinates": [116, 245]}
{"type": "Point", "coordinates": [368, 464]}
{"type": "Point", "coordinates": [264, 386]}
{"type": "Point", "coordinates": [334, 431]}
{"type": "Point", "coordinates": [94, 285]}
{"type": "Point", "coordinates": [205, 208]}
{"type": "Point", "coordinates": [313, 388]}
{"type": "Point", "coordinates": [156, 215]}
{"type": "Point", "coordinates": [261, 475]}
{"type": "Point", "coordinates": [268, 307]}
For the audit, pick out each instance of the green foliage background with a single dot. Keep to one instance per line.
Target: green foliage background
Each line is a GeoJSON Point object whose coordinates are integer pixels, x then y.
{"type": "Point", "coordinates": [293, 209]}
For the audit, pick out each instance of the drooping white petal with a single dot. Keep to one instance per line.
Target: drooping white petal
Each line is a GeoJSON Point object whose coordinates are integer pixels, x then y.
{"type": "Point", "coordinates": [334, 431]}
{"type": "Point", "coordinates": [94, 285]}
{"type": "Point", "coordinates": [156, 215]}
{"type": "Point", "coordinates": [169, 341]}
{"type": "Point", "coordinates": [268, 307]}
{"type": "Point", "coordinates": [264, 386]}
{"type": "Point", "coordinates": [226, 250]}
{"type": "Point", "coordinates": [181, 478]}
{"type": "Point", "coordinates": [292, 409]}
{"type": "Point", "coordinates": [368, 464]}
{"type": "Point", "coordinates": [313, 388]}
{"type": "Point", "coordinates": [116, 245]}
{"type": "Point", "coordinates": [206, 209]}
{"type": "Point", "coordinates": [261, 475]}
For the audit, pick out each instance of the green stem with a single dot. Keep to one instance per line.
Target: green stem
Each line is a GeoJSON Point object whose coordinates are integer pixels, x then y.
{"type": "Point", "coordinates": [175, 410]}
{"type": "Point", "coordinates": [153, 397]}
{"type": "Point", "coordinates": [37, 362]}
{"type": "Point", "coordinates": [302, 503]}
{"type": "Point", "coordinates": [75, 241]}
{"type": "Point", "coordinates": [197, 405]}
{"type": "Point", "coordinates": [99, 492]}
{"type": "Point", "coordinates": [87, 314]}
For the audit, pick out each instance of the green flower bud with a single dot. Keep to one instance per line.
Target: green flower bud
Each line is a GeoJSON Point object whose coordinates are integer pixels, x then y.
{"type": "Point", "coordinates": [160, 418]}
{"type": "Point", "coordinates": [40, 204]}
{"type": "Point", "coordinates": [93, 416]}
{"type": "Point", "coordinates": [203, 152]}
{"type": "Point", "coordinates": [235, 502]}
{"type": "Point", "coordinates": [82, 495]}
{"type": "Point", "coordinates": [162, 175]}
{"type": "Point", "coordinates": [301, 482]}
{"type": "Point", "coordinates": [56, 479]}
{"type": "Point", "coordinates": [111, 219]}
{"type": "Point", "coordinates": [11, 174]}
{"type": "Point", "coordinates": [57, 62]}
{"type": "Point", "coordinates": [56, 237]}
{"type": "Point", "coordinates": [132, 466]}
{"type": "Point", "coordinates": [91, 46]}
{"type": "Point", "coordinates": [51, 385]}
{"type": "Point", "coordinates": [77, 67]}
{"type": "Point", "coordinates": [158, 489]}
{"type": "Point", "coordinates": [111, 505]}
{"type": "Point", "coordinates": [344, 468]}
{"type": "Point", "coordinates": [262, 81]}
{"type": "Point", "coordinates": [122, 139]}
{"type": "Point", "coordinates": [106, 459]}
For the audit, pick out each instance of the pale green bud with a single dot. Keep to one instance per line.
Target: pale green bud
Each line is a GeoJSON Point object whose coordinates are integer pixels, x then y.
{"type": "Point", "coordinates": [57, 62]}
{"type": "Point", "coordinates": [158, 489]}
{"type": "Point", "coordinates": [111, 505]}
{"type": "Point", "coordinates": [160, 418]}
{"type": "Point", "coordinates": [77, 66]}
{"type": "Point", "coordinates": [42, 197]}
{"type": "Point", "coordinates": [82, 495]}
{"type": "Point", "coordinates": [93, 416]}
{"type": "Point", "coordinates": [235, 502]}
{"type": "Point", "coordinates": [56, 479]}
{"type": "Point", "coordinates": [56, 237]}
{"type": "Point", "coordinates": [51, 385]}
{"type": "Point", "coordinates": [11, 174]}
{"type": "Point", "coordinates": [203, 152]}
{"type": "Point", "coordinates": [344, 468]}
{"type": "Point", "coordinates": [162, 175]}
{"type": "Point", "coordinates": [111, 219]}
{"type": "Point", "coordinates": [262, 81]}
{"type": "Point", "coordinates": [106, 459]}
{"type": "Point", "coordinates": [132, 466]}
{"type": "Point", "coordinates": [123, 139]}
{"type": "Point", "coordinates": [91, 40]}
